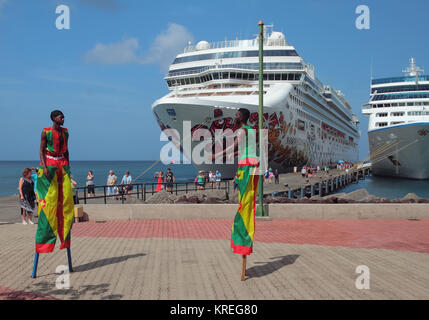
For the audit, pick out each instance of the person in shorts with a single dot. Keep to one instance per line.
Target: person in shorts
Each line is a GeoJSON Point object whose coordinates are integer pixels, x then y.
{"type": "Point", "coordinates": [169, 180]}
{"type": "Point", "coordinates": [90, 183]}
{"type": "Point", "coordinates": [218, 177]}
{"type": "Point", "coordinates": [235, 184]}
{"type": "Point", "coordinates": [127, 180]}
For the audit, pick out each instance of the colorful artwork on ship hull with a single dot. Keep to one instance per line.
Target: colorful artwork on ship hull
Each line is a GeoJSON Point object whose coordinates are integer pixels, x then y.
{"type": "Point", "coordinates": [284, 154]}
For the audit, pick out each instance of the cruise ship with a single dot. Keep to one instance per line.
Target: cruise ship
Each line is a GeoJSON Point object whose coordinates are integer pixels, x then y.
{"type": "Point", "coordinates": [398, 128]}
{"type": "Point", "coordinates": [308, 122]}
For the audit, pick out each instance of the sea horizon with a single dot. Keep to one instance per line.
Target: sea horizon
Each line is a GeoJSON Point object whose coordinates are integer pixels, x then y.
{"type": "Point", "coordinates": [11, 171]}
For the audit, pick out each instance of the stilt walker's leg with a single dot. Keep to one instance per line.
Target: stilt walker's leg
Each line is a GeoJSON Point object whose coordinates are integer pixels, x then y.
{"type": "Point", "coordinates": [70, 260]}
{"type": "Point", "coordinates": [243, 268]}
{"type": "Point", "coordinates": [36, 261]}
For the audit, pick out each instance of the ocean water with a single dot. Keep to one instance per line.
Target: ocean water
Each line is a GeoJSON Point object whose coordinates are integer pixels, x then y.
{"type": "Point", "coordinates": [390, 188]}
{"type": "Point", "coordinates": [11, 171]}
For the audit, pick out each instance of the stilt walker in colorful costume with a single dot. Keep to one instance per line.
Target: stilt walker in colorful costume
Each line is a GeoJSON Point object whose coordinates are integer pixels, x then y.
{"type": "Point", "coordinates": [54, 190]}
{"type": "Point", "coordinates": [243, 228]}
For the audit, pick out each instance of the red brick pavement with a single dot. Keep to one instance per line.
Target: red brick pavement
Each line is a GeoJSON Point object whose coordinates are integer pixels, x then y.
{"type": "Point", "coordinates": [382, 234]}
{"type": "Point", "coordinates": [12, 294]}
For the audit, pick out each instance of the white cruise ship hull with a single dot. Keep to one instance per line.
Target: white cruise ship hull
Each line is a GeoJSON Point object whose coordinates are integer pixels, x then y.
{"type": "Point", "coordinates": [401, 151]}
{"type": "Point", "coordinates": [290, 145]}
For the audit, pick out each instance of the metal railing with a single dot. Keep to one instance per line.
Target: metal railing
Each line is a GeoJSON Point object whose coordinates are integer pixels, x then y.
{"type": "Point", "coordinates": [141, 190]}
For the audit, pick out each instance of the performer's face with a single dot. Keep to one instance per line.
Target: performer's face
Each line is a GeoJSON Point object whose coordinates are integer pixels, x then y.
{"type": "Point", "coordinates": [59, 119]}
{"type": "Point", "coordinates": [238, 117]}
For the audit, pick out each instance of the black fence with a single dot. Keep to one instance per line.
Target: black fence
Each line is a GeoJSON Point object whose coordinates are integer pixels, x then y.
{"type": "Point", "coordinates": [141, 190]}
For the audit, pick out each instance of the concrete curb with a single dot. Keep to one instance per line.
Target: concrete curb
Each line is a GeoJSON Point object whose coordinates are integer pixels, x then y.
{"type": "Point", "coordinates": [118, 212]}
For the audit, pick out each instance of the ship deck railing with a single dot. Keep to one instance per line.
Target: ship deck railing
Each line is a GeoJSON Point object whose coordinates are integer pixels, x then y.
{"type": "Point", "coordinates": [238, 44]}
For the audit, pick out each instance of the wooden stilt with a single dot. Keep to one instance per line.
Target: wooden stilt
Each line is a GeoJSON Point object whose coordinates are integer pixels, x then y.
{"type": "Point", "coordinates": [70, 260]}
{"type": "Point", "coordinates": [243, 268]}
{"type": "Point", "coordinates": [36, 261]}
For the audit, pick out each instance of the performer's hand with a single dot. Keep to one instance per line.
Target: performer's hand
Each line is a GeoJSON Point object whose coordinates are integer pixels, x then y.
{"type": "Point", "coordinates": [22, 197]}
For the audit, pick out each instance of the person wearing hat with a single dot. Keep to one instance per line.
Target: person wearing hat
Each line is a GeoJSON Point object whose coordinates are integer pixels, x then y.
{"type": "Point", "coordinates": [54, 187]}
{"type": "Point", "coordinates": [201, 181]}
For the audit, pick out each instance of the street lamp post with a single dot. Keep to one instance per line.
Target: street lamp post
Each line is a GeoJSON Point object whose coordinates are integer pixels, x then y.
{"type": "Point", "coordinates": [260, 211]}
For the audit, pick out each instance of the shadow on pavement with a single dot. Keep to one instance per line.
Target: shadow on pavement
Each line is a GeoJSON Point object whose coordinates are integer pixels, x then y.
{"type": "Point", "coordinates": [105, 262]}
{"type": "Point", "coordinates": [266, 268]}
{"type": "Point", "coordinates": [48, 290]}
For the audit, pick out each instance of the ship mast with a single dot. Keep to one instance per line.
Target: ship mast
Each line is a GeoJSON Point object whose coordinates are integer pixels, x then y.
{"type": "Point", "coordinates": [413, 70]}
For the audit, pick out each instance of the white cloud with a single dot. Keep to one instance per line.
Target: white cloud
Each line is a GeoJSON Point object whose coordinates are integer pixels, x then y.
{"type": "Point", "coordinates": [162, 51]}
{"type": "Point", "coordinates": [114, 53]}
{"type": "Point", "coordinates": [167, 45]}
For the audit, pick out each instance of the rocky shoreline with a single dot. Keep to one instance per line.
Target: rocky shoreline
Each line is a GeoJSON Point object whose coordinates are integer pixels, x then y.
{"type": "Point", "coordinates": [221, 196]}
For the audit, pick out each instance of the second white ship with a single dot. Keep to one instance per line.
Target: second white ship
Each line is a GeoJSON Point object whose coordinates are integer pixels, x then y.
{"type": "Point", "coordinates": [398, 129]}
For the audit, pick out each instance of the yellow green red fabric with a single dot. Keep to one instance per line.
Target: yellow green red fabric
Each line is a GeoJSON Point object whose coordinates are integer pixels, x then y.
{"type": "Point", "coordinates": [55, 195]}
{"type": "Point", "coordinates": [243, 228]}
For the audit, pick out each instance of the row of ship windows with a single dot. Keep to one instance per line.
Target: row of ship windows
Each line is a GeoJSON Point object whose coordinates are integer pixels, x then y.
{"type": "Point", "coordinates": [302, 103]}
{"type": "Point", "coordinates": [401, 79]}
{"type": "Point", "coordinates": [234, 75]}
{"type": "Point", "coordinates": [401, 114]}
{"type": "Point", "coordinates": [250, 66]}
{"type": "Point", "coordinates": [235, 54]}
{"type": "Point", "coordinates": [385, 124]}
{"type": "Point", "coordinates": [401, 104]}
{"type": "Point", "coordinates": [401, 88]}
{"type": "Point", "coordinates": [401, 96]}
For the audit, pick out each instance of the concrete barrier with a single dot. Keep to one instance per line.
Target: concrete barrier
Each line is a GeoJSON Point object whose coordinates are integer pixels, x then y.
{"type": "Point", "coordinates": [117, 212]}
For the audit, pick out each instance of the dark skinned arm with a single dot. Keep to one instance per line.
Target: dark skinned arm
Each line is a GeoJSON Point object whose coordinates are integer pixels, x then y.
{"type": "Point", "coordinates": [43, 153]}
{"type": "Point", "coordinates": [234, 147]}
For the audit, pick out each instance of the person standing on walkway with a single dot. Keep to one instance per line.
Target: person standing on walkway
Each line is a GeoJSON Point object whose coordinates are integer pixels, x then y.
{"type": "Point", "coordinates": [276, 176]}
{"type": "Point", "coordinates": [200, 181]}
{"type": "Point", "coordinates": [34, 178]}
{"type": "Point", "coordinates": [127, 181]}
{"type": "Point", "coordinates": [54, 188]}
{"type": "Point", "coordinates": [218, 177]}
{"type": "Point", "coordinates": [212, 178]}
{"type": "Point", "coordinates": [73, 186]}
{"type": "Point", "coordinates": [169, 180]}
{"type": "Point", "coordinates": [303, 172]}
{"type": "Point", "coordinates": [90, 183]}
{"type": "Point", "coordinates": [235, 183]}
{"type": "Point", "coordinates": [111, 181]}
{"type": "Point", "coordinates": [27, 196]}
{"type": "Point", "coordinates": [160, 176]}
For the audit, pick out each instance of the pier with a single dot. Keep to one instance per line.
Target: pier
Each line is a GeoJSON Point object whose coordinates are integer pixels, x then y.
{"type": "Point", "coordinates": [294, 186]}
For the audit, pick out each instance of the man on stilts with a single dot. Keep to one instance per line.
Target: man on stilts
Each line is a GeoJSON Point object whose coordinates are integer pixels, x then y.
{"type": "Point", "coordinates": [54, 190]}
{"type": "Point", "coordinates": [243, 228]}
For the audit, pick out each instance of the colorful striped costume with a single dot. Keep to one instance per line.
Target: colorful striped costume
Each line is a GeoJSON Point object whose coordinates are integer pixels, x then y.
{"type": "Point", "coordinates": [243, 228]}
{"type": "Point", "coordinates": [55, 194]}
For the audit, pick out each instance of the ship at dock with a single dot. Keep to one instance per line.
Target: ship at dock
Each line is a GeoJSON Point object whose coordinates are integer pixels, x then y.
{"type": "Point", "coordinates": [308, 122]}
{"type": "Point", "coordinates": [398, 126]}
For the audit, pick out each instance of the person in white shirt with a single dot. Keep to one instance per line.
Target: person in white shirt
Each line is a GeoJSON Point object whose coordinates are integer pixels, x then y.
{"type": "Point", "coordinates": [127, 180]}
{"type": "Point", "coordinates": [111, 181]}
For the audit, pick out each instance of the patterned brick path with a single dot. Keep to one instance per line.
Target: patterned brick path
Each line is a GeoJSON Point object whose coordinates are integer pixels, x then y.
{"type": "Point", "coordinates": [381, 234]}
{"type": "Point", "coordinates": [192, 259]}
{"type": "Point", "coordinates": [10, 294]}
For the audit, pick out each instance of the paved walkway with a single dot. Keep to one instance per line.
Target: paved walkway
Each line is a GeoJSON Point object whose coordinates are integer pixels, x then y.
{"type": "Point", "coordinates": [191, 259]}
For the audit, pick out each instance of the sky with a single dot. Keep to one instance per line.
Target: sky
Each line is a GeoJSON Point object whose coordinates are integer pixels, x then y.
{"type": "Point", "coordinates": [105, 72]}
